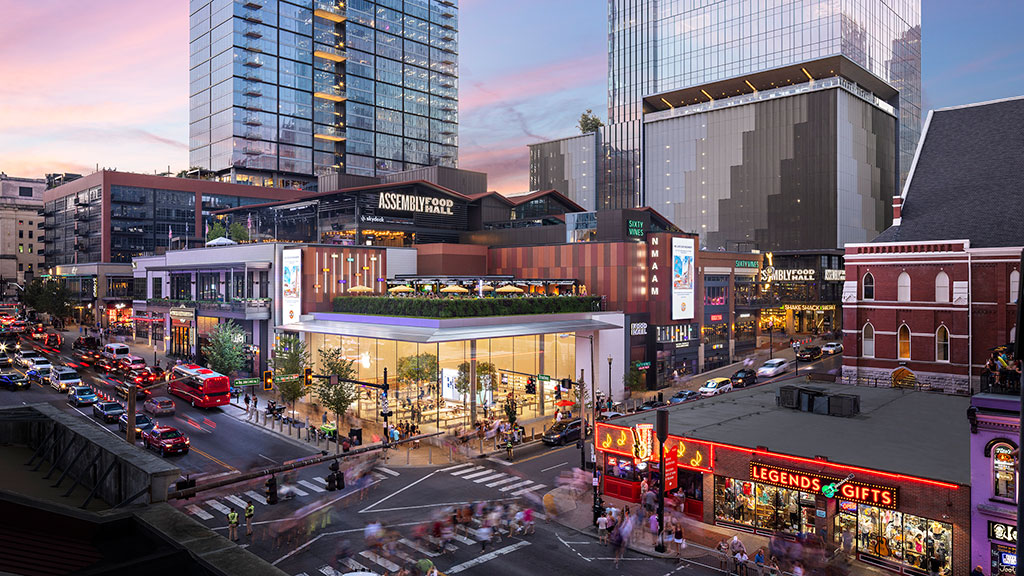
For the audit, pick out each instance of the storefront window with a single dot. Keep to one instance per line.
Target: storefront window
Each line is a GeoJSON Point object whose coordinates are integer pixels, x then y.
{"type": "Point", "coordinates": [1003, 475]}
{"type": "Point", "coordinates": [734, 501]}
{"type": "Point", "coordinates": [620, 468]}
{"type": "Point", "coordinates": [900, 538]}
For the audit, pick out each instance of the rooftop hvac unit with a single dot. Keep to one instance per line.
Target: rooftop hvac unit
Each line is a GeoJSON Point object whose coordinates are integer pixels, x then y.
{"type": "Point", "coordinates": [789, 397]}
{"type": "Point", "coordinates": [844, 405]}
{"type": "Point", "coordinates": [807, 396]}
{"type": "Point", "coordinates": [821, 405]}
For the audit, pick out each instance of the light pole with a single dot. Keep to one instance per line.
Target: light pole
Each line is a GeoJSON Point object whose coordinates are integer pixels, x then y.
{"type": "Point", "coordinates": [598, 505]}
{"type": "Point", "coordinates": [771, 343]}
{"type": "Point", "coordinates": [609, 378]}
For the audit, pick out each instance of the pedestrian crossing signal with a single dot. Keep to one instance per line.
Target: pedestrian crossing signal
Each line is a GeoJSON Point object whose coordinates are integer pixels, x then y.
{"type": "Point", "coordinates": [268, 380]}
{"type": "Point", "coordinates": [307, 377]}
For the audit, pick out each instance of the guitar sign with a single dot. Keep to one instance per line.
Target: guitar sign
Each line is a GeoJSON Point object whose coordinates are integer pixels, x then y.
{"type": "Point", "coordinates": [829, 490]}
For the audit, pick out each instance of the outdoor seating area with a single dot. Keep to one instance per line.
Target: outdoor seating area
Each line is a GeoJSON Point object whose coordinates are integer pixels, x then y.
{"type": "Point", "coordinates": [1002, 372]}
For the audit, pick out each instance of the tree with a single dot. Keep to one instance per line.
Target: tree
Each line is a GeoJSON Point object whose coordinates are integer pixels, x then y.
{"type": "Point", "coordinates": [589, 122]}
{"type": "Point", "coordinates": [635, 380]}
{"type": "Point", "coordinates": [290, 358]}
{"type": "Point", "coordinates": [336, 398]}
{"type": "Point", "coordinates": [486, 375]}
{"type": "Point", "coordinates": [194, 169]}
{"type": "Point", "coordinates": [413, 371]}
{"type": "Point", "coordinates": [225, 352]}
{"type": "Point", "coordinates": [48, 296]}
{"type": "Point", "coordinates": [216, 231]}
{"type": "Point", "coordinates": [237, 232]}
{"type": "Point", "coordinates": [510, 409]}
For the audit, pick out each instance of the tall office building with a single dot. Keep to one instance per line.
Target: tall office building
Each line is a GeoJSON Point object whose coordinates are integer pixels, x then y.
{"type": "Point", "coordinates": [282, 91]}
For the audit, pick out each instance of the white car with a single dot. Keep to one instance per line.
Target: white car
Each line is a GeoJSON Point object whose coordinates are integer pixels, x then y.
{"type": "Point", "coordinates": [773, 367]}
{"type": "Point", "coordinates": [40, 363]}
{"type": "Point", "coordinates": [832, 348]}
{"type": "Point", "coordinates": [715, 386]}
{"type": "Point", "coordinates": [25, 357]}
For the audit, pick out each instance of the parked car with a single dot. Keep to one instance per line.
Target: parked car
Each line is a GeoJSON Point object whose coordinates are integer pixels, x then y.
{"type": "Point", "coordinates": [142, 423]}
{"type": "Point", "coordinates": [607, 415]}
{"type": "Point", "coordinates": [715, 386]}
{"type": "Point", "coordinates": [809, 353]}
{"type": "Point", "coordinates": [107, 411]}
{"type": "Point", "coordinates": [90, 343]}
{"type": "Point", "coordinates": [62, 378]}
{"type": "Point", "coordinates": [116, 351]}
{"type": "Point", "coordinates": [832, 348]}
{"type": "Point", "coordinates": [121, 388]}
{"type": "Point", "coordinates": [39, 371]}
{"type": "Point", "coordinates": [14, 381]}
{"type": "Point", "coordinates": [81, 396]}
{"type": "Point", "coordinates": [26, 355]}
{"type": "Point", "coordinates": [562, 433]}
{"type": "Point", "coordinates": [159, 406]}
{"type": "Point", "coordinates": [744, 377]}
{"type": "Point", "coordinates": [683, 396]}
{"type": "Point", "coordinates": [165, 440]}
{"type": "Point", "coordinates": [773, 367]}
{"type": "Point", "coordinates": [650, 405]}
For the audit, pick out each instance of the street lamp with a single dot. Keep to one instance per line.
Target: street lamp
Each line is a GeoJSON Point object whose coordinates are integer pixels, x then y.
{"type": "Point", "coordinates": [598, 505]}
{"type": "Point", "coordinates": [609, 378]}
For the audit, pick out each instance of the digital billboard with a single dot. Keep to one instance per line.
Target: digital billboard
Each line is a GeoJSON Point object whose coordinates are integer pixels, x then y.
{"type": "Point", "coordinates": [684, 271]}
{"type": "Point", "coordinates": [291, 284]}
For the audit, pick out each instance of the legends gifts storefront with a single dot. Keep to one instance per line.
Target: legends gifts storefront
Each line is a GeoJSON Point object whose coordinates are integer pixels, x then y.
{"type": "Point", "coordinates": [893, 521]}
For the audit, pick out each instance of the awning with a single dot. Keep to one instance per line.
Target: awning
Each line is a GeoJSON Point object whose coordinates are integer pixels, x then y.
{"type": "Point", "coordinates": [251, 265]}
{"type": "Point", "coordinates": [409, 332]}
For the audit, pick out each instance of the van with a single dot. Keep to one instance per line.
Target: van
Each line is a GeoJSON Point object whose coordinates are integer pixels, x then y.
{"type": "Point", "coordinates": [116, 351]}
{"type": "Point", "coordinates": [62, 378]}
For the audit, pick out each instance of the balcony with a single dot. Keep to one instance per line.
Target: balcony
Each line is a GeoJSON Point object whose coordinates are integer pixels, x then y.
{"type": "Point", "coordinates": [332, 54]}
{"type": "Point", "coordinates": [81, 201]}
{"type": "Point", "coordinates": [253, 16]}
{"type": "Point", "coordinates": [253, 5]}
{"type": "Point", "coordinates": [252, 120]}
{"type": "Point", "coordinates": [328, 10]}
{"type": "Point", "coordinates": [83, 216]}
{"type": "Point", "coordinates": [251, 151]}
{"type": "Point", "coordinates": [252, 135]}
{"type": "Point", "coordinates": [328, 133]}
{"type": "Point", "coordinates": [253, 32]}
{"type": "Point", "coordinates": [253, 47]}
{"type": "Point", "coordinates": [83, 233]}
{"type": "Point", "coordinates": [253, 90]}
{"type": "Point", "coordinates": [253, 62]}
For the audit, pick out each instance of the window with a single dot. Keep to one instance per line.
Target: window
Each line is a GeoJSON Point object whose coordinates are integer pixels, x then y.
{"type": "Point", "coordinates": [21, 233]}
{"type": "Point", "coordinates": [942, 287]}
{"type": "Point", "coordinates": [903, 288]}
{"type": "Point", "coordinates": [869, 287]}
{"type": "Point", "coordinates": [868, 337]}
{"type": "Point", "coordinates": [25, 191]}
{"type": "Point", "coordinates": [21, 248]}
{"type": "Point", "coordinates": [1014, 285]}
{"type": "Point", "coordinates": [904, 342]}
{"type": "Point", "coordinates": [942, 344]}
{"type": "Point", "coordinates": [30, 247]}
{"type": "Point", "coordinates": [1004, 477]}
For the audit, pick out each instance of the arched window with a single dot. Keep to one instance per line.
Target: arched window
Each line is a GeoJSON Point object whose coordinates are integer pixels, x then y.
{"type": "Point", "coordinates": [869, 287]}
{"type": "Point", "coordinates": [904, 342]}
{"type": "Point", "coordinates": [942, 287]}
{"type": "Point", "coordinates": [868, 337]}
{"type": "Point", "coordinates": [903, 288]}
{"type": "Point", "coordinates": [1014, 285]}
{"type": "Point", "coordinates": [942, 344]}
{"type": "Point", "coordinates": [1004, 477]}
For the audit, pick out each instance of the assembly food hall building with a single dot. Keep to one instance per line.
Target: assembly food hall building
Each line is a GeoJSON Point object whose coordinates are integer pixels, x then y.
{"type": "Point", "coordinates": [885, 470]}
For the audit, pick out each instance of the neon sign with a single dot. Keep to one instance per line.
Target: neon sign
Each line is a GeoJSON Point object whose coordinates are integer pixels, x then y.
{"type": "Point", "coordinates": [687, 452]}
{"type": "Point", "coordinates": [844, 488]}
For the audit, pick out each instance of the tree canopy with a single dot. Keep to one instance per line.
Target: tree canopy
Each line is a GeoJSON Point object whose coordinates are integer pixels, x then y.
{"type": "Point", "coordinates": [216, 231]}
{"type": "Point", "coordinates": [237, 232]}
{"type": "Point", "coordinates": [290, 357]}
{"type": "Point", "coordinates": [335, 398]}
{"type": "Point", "coordinates": [225, 352]}
{"type": "Point", "coordinates": [589, 122]}
{"type": "Point", "coordinates": [50, 297]}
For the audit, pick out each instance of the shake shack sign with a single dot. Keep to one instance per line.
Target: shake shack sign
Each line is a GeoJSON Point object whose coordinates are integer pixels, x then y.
{"type": "Point", "coordinates": [411, 203]}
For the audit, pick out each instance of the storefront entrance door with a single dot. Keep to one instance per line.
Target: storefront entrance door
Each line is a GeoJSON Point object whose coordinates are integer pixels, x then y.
{"type": "Point", "coordinates": [181, 341]}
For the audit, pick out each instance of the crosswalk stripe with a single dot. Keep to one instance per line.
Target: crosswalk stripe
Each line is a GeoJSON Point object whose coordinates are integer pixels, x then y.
{"type": "Point", "coordinates": [487, 557]}
{"type": "Point", "coordinates": [311, 486]}
{"type": "Point", "coordinates": [298, 491]}
{"type": "Point", "coordinates": [218, 506]}
{"type": "Point", "coordinates": [257, 497]}
{"type": "Point", "coordinates": [477, 474]}
{"type": "Point", "coordinates": [517, 485]}
{"type": "Point", "coordinates": [456, 467]}
{"type": "Point", "coordinates": [491, 477]}
{"type": "Point", "coordinates": [505, 481]}
{"type": "Point", "coordinates": [388, 471]}
{"type": "Point", "coordinates": [467, 471]}
{"type": "Point", "coordinates": [418, 548]}
{"type": "Point", "coordinates": [196, 510]}
{"type": "Point", "coordinates": [323, 481]}
{"type": "Point", "coordinates": [236, 501]}
{"type": "Point", "coordinates": [501, 461]}
{"type": "Point", "coordinates": [465, 540]}
{"type": "Point", "coordinates": [404, 556]}
{"type": "Point", "coordinates": [355, 566]}
{"type": "Point", "coordinates": [373, 557]}
{"type": "Point", "coordinates": [378, 476]}
{"type": "Point", "coordinates": [528, 489]}
{"type": "Point", "coordinates": [328, 571]}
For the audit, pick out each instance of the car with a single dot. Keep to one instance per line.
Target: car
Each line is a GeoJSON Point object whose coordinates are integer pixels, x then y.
{"type": "Point", "coordinates": [715, 386]}
{"type": "Point", "coordinates": [6, 361]}
{"type": "Point", "coordinates": [562, 432]}
{"type": "Point", "coordinates": [165, 440]}
{"type": "Point", "coordinates": [744, 377]}
{"type": "Point", "coordinates": [116, 351]}
{"type": "Point", "coordinates": [52, 339]}
{"type": "Point", "coordinates": [158, 373]}
{"type": "Point", "coordinates": [832, 348]}
{"type": "Point", "coordinates": [9, 343]}
{"type": "Point", "coordinates": [141, 377]}
{"type": "Point", "coordinates": [38, 332]}
{"type": "Point", "coordinates": [159, 406]}
{"type": "Point", "coordinates": [25, 356]}
{"type": "Point", "coordinates": [773, 367]}
{"type": "Point", "coordinates": [142, 423]}
{"type": "Point", "coordinates": [133, 362]}
{"type": "Point", "coordinates": [608, 415]}
{"type": "Point", "coordinates": [85, 357]}
{"type": "Point", "coordinates": [62, 378]}
{"type": "Point", "coordinates": [683, 396]}
{"type": "Point", "coordinates": [809, 353]}
{"type": "Point", "coordinates": [14, 381]}
{"type": "Point", "coordinates": [90, 343]}
{"type": "Point", "coordinates": [39, 372]}
{"type": "Point", "coordinates": [650, 405]}
{"type": "Point", "coordinates": [107, 411]}
{"type": "Point", "coordinates": [122, 390]}
{"type": "Point", "coordinates": [81, 396]}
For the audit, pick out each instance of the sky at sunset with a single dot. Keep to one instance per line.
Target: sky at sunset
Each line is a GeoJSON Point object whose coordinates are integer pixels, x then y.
{"type": "Point", "coordinates": [105, 82]}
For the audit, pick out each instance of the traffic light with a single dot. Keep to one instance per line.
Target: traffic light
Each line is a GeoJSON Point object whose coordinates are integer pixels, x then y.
{"type": "Point", "coordinates": [268, 380]}
{"type": "Point", "coordinates": [331, 482]}
{"type": "Point", "coordinates": [531, 386]}
{"type": "Point", "coordinates": [307, 377]}
{"type": "Point", "coordinates": [271, 489]}
{"type": "Point", "coordinates": [558, 392]}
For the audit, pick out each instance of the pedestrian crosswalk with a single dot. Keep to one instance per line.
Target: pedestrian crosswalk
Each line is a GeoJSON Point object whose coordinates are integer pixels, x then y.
{"type": "Point", "coordinates": [503, 481]}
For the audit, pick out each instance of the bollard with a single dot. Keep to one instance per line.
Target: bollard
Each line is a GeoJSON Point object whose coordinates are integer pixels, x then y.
{"type": "Point", "coordinates": [430, 453]}
{"type": "Point", "coordinates": [532, 433]}
{"type": "Point", "coordinates": [481, 446]}
{"type": "Point", "coordinates": [408, 451]}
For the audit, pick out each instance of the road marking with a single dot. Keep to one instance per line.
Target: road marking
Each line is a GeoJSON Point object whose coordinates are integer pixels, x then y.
{"type": "Point", "coordinates": [519, 485]}
{"type": "Point", "coordinates": [218, 506]}
{"type": "Point", "coordinates": [328, 571]}
{"type": "Point", "coordinates": [456, 467]}
{"type": "Point", "coordinates": [311, 486]}
{"type": "Point", "coordinates": [505, 481]}
{"type": "Point", "coordinates": [373, 557]}
{"type": "Point", "coordinates": [404, 556]}
{"type": "Point", "coordinates": [486, 557]}
{"type": "Point", "coordinates": [553, 467]}
{"type": "Point", "coordinates": [388, 471]}
{"type": "Point", "coordinates": [257, 497]}
{"type": "Point", "coordinates": [477, 474]}
{"type": "Point", "coordinates": [201, 453]}
{"type": "Point", "coordinates": [272, 461]}
{"type": "Point", "coordinates": [356, 566]}
{"type": "Point", "coordinates": [525, 490]}
{"type": "Point", "coordinates": [465, 540]}
{"type": "Point", "coordinates": [196, 510]}
{"type": "Point", "coordinates": [548, 453]}
{"type": "Point", "coordinates": [467, 471]}
{"type": "Point", "coordinates": [419, 548]}
{"type": "Point", "coordinates": [491, 477]}
{"type": "Point", "coordinates": [399, 491]}
{"type": "Point", "coordinates": [298, 491]}
{"type": "Point", "coordinates": [320, 479]}
{"type": "Point", "coordinates": [500, 461]}
{"type": "Point", "coordinates": [236, 501]}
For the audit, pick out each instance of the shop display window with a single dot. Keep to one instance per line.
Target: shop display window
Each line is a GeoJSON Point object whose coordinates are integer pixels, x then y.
{"type": "Point", "coordinates": [620, 468]}
{"type": "Point", "coordinates": [1004, 477]}
{"type": "Point", "coordinates": [764, 506]}
{"type": "Point", "coordinates": [734, 501]}
{"type": "Point", "coordinates": [899, 538]}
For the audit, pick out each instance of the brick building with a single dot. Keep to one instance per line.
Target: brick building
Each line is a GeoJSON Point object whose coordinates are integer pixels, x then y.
{"type": "Point", "coordinates": [929, 299]}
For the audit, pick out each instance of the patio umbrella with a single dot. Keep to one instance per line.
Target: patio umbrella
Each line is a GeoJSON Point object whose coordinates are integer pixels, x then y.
{"type": "Point", "coordinates": [454, 290]}
{"type": "Point", "coordinates": [402, 289]}
{"type": "Point", "coordinates": [509, 289]}
{"type": "Point", "coordinates": [487, 288]}
{"type": "Point", "coordinates": [360, 289]}
{"type": "Point", "coordinates": [565, 403]}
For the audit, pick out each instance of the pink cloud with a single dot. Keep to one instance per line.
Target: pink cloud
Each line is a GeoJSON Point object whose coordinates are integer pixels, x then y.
{"type": "Point", "coordinates": [507, 164]}
{"type": "Point", "coordinates": [535, 82]}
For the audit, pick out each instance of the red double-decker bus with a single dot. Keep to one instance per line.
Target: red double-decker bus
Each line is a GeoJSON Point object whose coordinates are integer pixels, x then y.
{"type": "Point", "coordinates": [202, 387]}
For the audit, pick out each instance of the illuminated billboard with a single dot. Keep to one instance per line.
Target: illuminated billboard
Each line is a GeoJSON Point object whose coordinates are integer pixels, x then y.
{"type": "Point", "coordinates": [684, 270]}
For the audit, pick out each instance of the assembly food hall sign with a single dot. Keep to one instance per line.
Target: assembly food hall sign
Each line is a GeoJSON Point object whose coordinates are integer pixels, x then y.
{"type": "Point", "coordinates": [872, 494]}
{"type": "Point", "coordinates": [411, 203]}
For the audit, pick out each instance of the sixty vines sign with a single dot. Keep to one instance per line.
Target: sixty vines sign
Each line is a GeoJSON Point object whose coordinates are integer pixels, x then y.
{"type": "Point", "coordinates": [882, 496]}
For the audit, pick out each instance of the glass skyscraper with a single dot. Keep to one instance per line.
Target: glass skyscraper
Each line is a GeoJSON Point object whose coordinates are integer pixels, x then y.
{"type": "Point", "coordinates": [282, 91]}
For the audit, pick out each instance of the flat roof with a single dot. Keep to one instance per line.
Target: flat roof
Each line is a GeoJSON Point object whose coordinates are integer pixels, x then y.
{"type": "Point", "coordinates": [924, 434]}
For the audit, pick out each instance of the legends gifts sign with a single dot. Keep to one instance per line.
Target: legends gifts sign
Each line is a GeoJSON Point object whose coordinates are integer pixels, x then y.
{"type": "Point", "coordinates": [864, 493]}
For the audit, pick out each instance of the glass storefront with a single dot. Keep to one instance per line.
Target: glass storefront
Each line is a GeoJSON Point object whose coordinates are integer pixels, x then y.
{"type": "Point", "coordinates": [897, 539]}
{"type": "Point", "coordinates": [763, 507]}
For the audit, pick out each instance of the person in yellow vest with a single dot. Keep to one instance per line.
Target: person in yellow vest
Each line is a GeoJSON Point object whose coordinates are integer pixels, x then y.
{"type": "Point", "coordinates": [250, 510]}
{"type": "Point", "coordinates": [233, 525]}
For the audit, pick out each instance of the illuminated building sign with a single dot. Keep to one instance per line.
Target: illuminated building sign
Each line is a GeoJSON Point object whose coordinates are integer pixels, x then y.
{"type": "Point", "coordinates": [716, 317]}
{"type": "Point", "coordinates": [635, 228]}
{"type": "Point", "coordinates": [643, 442]}
{"type": "Point", "coordinates": [787, 275]}
{"type": "Point", "coordinates": [748, 264]}
{"type": "Point", "coordinates": [835, 275]}
{"type": "Point", "coordinates": [638, 329]}
{"type": "Point", "coordinates": [1002, 532]}
{"type": "Point", "coordinates": [410, 203]}
{"type": "Point", "coordinates": [810, 307]}
{"type": "Point", "coordinates": [688, 453]}
{"type": "Point", "coordinates": [677, 333]}
{"type": "Point", "coordinates": [883, 496]}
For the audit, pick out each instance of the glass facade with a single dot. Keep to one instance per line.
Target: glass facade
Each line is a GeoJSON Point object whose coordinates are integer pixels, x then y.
{"type": "Point", "coordinates": [284, 90]}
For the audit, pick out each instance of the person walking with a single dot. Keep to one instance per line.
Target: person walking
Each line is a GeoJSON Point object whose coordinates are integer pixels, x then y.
{"type": "Point", "coordinates": [233, 525]}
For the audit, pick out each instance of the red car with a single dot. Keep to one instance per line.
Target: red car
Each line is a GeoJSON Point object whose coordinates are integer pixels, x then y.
{"type": "Point", "coordinates": [52, 339]}
{"type": "Point", "coordinates": [165, 440]}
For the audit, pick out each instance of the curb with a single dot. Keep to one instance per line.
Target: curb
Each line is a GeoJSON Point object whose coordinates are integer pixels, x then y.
{"type": "Point", "coordinates": [273, 432]}
{"type": "Point", "coordinates": [494, 453]}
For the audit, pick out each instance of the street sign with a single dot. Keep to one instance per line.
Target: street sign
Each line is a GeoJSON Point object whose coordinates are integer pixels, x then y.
{"type": "Point", "coordinates": [288, 377]}
{"type": "Point", "coordinates": [246, 381]}
{"type": "Point", "coordinates": [543, 377]}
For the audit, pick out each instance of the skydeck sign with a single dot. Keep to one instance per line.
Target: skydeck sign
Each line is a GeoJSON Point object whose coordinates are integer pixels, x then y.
{"type": "Point", "coordinates": [410, 203]}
